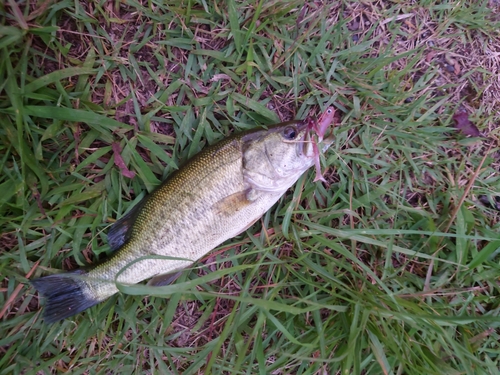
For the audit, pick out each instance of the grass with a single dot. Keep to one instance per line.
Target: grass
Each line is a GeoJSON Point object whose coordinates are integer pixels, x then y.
{"type": "Point", "coordinates": [389, 268]}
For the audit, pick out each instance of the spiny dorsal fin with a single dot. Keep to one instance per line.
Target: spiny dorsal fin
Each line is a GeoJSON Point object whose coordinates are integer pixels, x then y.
{"type": "Point", "coordinates": [120, 231]}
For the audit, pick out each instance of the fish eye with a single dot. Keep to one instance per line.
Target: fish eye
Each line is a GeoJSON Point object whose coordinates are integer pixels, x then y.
{"type": "Point", "coordinates": [290, 133]}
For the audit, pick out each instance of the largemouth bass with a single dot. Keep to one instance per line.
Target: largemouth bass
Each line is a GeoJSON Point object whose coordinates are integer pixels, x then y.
{"type": "Point", "coordinates": [217, 195]}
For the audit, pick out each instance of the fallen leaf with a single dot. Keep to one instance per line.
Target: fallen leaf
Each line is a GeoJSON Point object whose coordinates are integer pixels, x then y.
{"type": "Point", "coordinates": [463, 124]}
{"type": "Point", "coordinates": [430, 56]}
{"type": "Point", "coordinates": [120, 163]}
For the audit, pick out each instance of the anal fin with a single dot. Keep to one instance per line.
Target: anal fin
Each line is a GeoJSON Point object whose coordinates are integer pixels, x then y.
{"type": "Point", "coordinates": [164, 279]}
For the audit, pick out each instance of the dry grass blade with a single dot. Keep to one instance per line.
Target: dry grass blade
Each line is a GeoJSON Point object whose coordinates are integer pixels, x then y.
{"type": "Point", "coordinates": [16, 292]}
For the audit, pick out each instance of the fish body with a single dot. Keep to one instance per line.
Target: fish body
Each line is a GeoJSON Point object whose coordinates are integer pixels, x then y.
{"type": "Point", "coordinates": [217, 195]}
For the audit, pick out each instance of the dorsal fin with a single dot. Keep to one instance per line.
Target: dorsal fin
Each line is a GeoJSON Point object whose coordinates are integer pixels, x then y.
{"type": "Point", "coordinates": [120, 231]}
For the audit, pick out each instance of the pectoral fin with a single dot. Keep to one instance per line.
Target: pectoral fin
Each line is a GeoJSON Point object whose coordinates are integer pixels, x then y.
{"type": "Point", "coordinates": [235, 202]}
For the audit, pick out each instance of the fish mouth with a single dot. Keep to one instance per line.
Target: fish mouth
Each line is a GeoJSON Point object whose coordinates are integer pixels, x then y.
{"type": "Point", "coordinates": [305, 145]}
{"type": "Point", "coordinates": [307, 149]}
{"type": "Point", "coordinates": [309, 139]}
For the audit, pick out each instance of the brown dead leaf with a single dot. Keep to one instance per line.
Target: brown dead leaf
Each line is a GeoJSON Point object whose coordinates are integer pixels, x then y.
{"type": "Point", "coordinates": [430, 56]}
{"type": "Point", "coordinates": [463, 124]}
{"type": "Point", "coordinates": [120, 163]}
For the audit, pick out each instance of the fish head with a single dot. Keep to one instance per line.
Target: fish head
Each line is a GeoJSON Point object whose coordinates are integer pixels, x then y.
{"type": "Point", "coordinates": [273, 159]}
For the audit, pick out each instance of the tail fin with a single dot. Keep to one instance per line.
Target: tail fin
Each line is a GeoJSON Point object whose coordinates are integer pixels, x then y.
{"type": "Point", "coordinates": [67, 294]}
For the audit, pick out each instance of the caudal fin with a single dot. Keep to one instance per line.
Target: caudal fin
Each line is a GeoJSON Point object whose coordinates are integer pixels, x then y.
{"type": "Point", "coordinates": [66, 295]}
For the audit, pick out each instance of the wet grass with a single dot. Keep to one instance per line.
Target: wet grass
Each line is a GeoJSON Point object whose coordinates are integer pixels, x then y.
{"type": "Point", "coordinates": [389, 268]}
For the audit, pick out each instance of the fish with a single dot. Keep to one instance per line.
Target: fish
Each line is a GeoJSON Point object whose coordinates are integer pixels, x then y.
{"type": "Point", "coordinates": [218, 194]}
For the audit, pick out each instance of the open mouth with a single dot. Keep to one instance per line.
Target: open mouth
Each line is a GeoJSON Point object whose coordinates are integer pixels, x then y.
{"type": "Point", "coordinates": [306, 142]}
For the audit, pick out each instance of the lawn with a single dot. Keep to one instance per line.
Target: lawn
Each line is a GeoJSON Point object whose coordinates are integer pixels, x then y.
{"type": "Point", "coordinates": [389, 267]}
